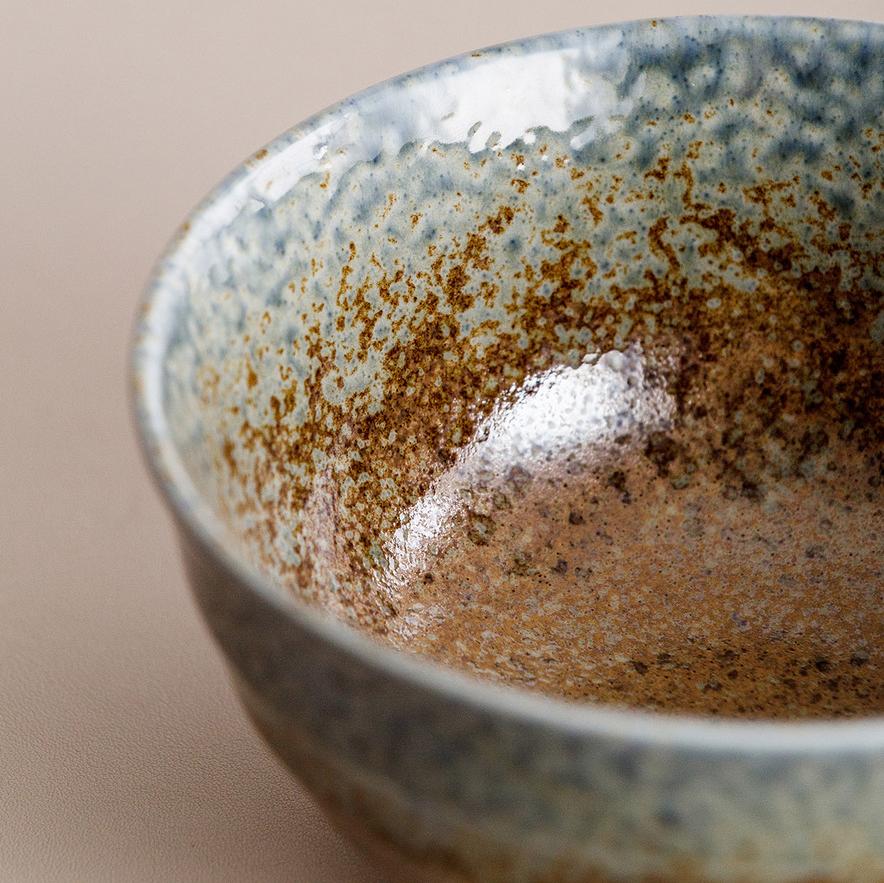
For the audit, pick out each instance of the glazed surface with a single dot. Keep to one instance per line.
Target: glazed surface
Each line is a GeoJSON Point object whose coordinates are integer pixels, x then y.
{"type": "Point", "coordinates": [593, 408]}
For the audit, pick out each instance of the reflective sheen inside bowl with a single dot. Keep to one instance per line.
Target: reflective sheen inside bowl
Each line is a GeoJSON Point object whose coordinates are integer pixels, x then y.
{"type": "Point", "coordinates": [592, 407]}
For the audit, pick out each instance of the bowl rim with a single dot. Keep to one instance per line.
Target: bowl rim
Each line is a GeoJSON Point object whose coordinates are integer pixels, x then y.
{"type": "Point", "coordinates": [194, 516]}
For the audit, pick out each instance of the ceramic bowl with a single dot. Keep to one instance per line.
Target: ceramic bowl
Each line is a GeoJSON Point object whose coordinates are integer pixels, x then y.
{"type": "Point", "coordinates": [521, 419]}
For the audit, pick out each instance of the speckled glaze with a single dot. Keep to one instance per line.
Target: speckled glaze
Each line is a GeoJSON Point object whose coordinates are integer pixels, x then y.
{"type": "Point", "coordinates": [559, 364]}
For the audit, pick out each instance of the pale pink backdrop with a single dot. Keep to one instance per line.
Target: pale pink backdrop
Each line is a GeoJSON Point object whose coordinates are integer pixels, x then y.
{"type": "Point", "coordinates": [123, 755]}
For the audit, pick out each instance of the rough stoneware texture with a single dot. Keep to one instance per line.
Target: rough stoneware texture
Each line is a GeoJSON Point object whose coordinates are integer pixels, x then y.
{"type": "Point", "coordinates": [559, 363]}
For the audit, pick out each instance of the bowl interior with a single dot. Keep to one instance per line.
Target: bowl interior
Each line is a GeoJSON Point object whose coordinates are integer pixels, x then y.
{"type": "Point", "coordinates": [561, 363]}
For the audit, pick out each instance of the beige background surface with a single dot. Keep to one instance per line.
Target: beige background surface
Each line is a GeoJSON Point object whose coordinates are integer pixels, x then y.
{"type": "Point", "coordinates": [123, 755]}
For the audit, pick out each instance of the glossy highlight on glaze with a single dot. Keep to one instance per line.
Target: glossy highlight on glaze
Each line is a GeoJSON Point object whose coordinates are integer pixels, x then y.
{"type": "Point", "coordinates": [551, 556]}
